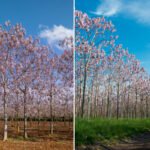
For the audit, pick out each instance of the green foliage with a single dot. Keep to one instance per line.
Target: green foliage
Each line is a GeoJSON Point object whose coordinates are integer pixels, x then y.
{"type": "Point", "coordinates": [89, 131]}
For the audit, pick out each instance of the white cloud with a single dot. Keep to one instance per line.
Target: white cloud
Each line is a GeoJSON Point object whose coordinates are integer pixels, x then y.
{"type": "Point", "coordinates": [136, 9]}
{"type": "Point", "coordinates": [55, 34]}
{"type": "Point", "coordinates": [108, 8]}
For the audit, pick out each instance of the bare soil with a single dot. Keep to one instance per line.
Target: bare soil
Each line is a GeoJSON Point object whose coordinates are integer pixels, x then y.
{"type": "Point", "coordinates": [41, 139]}
{"type": "Point", "coordinates": [137, 142]}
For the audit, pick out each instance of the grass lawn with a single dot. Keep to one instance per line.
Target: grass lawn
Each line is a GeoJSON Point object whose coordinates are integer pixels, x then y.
{"type": "Point", "coordinates": [104, 130]}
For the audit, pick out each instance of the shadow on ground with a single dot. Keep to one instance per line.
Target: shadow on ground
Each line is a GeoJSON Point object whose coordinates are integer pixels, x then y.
{"type": "Point", "coordinates": [138, 142]}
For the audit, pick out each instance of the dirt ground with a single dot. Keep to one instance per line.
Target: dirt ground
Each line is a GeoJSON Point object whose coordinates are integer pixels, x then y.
{"type": "Point", "coordinates": [137, 142]}
{"type": "Point", "coordinates": [27, 145]}
{"type": "Point", "coordinates": [62, 139]}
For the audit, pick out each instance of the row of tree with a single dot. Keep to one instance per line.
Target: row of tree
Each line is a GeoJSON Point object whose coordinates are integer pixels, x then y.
{"type": "Point", "coordinates": [110, 81]}
{"type": "Point", "coordinates": [35, 82]}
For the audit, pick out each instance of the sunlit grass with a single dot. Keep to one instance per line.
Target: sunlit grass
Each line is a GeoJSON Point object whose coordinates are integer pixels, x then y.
{"type": "Point", "coordinates": [89, 131]}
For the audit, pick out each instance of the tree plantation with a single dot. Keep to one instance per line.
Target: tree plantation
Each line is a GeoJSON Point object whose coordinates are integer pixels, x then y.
{"type": "Point", "coordinates": [110, 82]}
{"type": "Point", "coordinates": [36, 85]}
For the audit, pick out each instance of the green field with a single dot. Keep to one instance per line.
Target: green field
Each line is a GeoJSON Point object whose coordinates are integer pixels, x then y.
{"type": "Point", "coordinates": [108, 130]}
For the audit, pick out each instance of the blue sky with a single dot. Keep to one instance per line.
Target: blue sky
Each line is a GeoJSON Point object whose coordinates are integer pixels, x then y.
{"type": "Point", "coordinates": [45, 18]}
{"type": "Point", "coordinates": [131, 19]}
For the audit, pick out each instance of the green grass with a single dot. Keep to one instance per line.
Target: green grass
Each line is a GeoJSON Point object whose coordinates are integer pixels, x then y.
{"type": "Point", "coordinates": [104, 130]}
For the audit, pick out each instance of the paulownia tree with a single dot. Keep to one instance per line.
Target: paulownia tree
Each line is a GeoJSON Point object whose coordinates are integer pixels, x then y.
{"type": "Point", "coordinates": [110, 81]}
{"type": "Point", "coordinates": [93, 36]}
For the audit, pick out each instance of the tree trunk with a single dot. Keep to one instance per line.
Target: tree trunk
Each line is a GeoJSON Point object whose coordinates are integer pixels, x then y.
{"type": "Point", "coordinates": [51, 125]}
{"type": "Point", "coordinates": [108, 105]}
{"type": "Point", "coordinates": [147, 108]}
{"type": "Point", "coordinates": [18, 129]}
{"type": "Point", "coordinates": [80, 94]}
{"type": "Point", "coordinates": [128, 101]}
{"type": "Point", "coordinates": [102, 106]}
{"type": "Point", "coordinates": [83, 96]}
{"type": "Point", "coordinates": [38, 120]}
{"type": "Point", "coordinates": [95, 102]}
{"type": "Point", "coordinates": [89, 107]}
{"type": "Point", "coordinates": [25, 115]}
{"type": "Point", "coordinates": [5, 116]}
{"type": "Point", "coordinates": [118, 100]}
{"type": "Point", "coordinates": [17, 115]}
{"type": "Point", "coordinates": [136, 103]}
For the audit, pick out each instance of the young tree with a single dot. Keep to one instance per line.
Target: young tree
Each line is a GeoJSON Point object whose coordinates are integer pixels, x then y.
{"type": "Point", "coordinates": [93, 35]}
